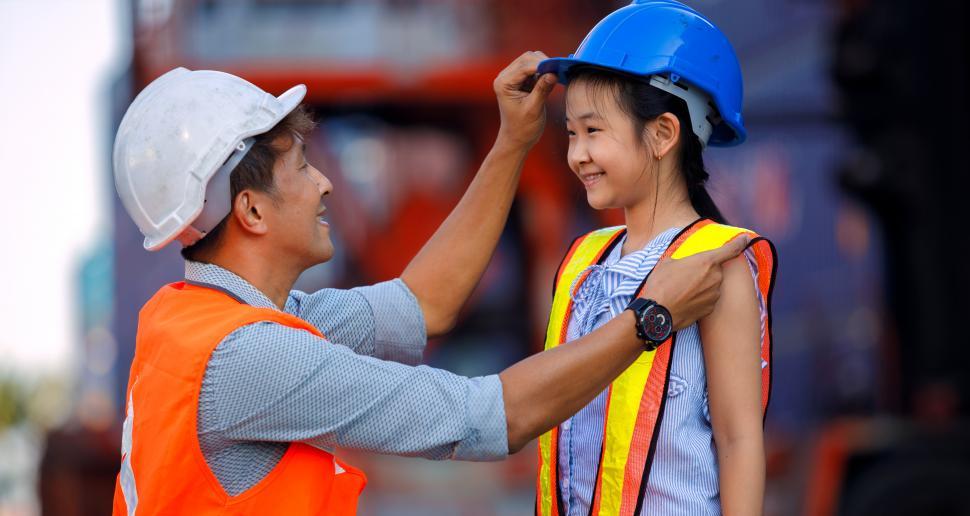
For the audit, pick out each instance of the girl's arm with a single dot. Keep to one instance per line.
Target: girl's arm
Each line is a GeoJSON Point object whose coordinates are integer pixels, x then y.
{"type": "Point", "coordinates": [732, 354]}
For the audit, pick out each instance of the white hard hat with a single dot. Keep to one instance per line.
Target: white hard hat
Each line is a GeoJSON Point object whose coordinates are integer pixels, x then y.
{"type": "Point", "coordinates": [185, 131]}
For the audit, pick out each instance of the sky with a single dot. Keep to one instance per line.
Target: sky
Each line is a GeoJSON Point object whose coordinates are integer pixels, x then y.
{"type": "Point", "coordinates": [57, 59]}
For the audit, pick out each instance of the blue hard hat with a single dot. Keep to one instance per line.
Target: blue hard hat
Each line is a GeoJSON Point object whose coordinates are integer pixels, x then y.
{"type": "Point", "coordinates": [669, 40]}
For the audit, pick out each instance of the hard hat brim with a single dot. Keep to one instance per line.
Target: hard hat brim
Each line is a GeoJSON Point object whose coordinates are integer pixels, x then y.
{"type": "Point", "coordinates": [727, 134]}
{"type": "Point", "coordinates": [291, 98]}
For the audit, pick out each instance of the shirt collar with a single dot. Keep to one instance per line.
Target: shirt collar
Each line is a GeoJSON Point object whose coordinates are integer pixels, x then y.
{"type": "Point", "coordinates": [223, 279]}
{"type": "Point", "coordinates": [637, 263]}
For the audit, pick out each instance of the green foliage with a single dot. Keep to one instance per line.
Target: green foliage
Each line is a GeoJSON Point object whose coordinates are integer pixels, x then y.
{"type": "Point", "coordinates": [13, 401]}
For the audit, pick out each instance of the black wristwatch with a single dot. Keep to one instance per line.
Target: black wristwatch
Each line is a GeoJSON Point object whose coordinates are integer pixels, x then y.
{"type": "Point", "coordinates": [654, 324]}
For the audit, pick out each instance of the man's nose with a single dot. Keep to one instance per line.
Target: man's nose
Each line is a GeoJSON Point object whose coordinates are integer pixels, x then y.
{"type": "Point", "coordinates": [323, 182]}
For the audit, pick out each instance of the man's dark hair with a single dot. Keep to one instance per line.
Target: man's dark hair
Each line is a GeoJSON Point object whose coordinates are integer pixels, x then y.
{"type": "Point", "coordinates": [255, 171]}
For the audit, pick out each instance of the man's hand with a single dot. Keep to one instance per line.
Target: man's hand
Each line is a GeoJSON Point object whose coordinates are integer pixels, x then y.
{"type": "Point", "coordinates": [521, 103]}
{"type": "Point", "coordinates": [690, 287]}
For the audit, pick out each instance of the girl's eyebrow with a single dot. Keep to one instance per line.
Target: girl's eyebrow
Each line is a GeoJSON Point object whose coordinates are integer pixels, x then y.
{"type": "Point", "coordinates": [584, 116]}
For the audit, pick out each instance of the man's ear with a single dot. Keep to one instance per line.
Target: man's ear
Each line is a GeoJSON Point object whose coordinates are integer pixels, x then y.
{"type": "Point", "coordinates": [249, 211]}
{"type": "Point", "coordinates": [662, 133]}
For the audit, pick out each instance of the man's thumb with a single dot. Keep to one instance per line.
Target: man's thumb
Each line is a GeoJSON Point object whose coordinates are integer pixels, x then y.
{"type": "Point", "coordinates": [732, 248]}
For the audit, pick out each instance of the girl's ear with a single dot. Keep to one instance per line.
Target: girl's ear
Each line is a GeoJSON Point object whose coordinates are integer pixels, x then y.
{"type": "Point", "coordinates": [662, 133]}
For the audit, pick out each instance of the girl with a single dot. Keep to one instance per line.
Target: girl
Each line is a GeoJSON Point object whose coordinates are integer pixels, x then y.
{"type": "Point", "coordinates": [680, 432]}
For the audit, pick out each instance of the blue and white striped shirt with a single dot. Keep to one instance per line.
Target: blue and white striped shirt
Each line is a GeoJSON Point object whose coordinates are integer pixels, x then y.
{"type": "Point", "coordinates": [684, 476]}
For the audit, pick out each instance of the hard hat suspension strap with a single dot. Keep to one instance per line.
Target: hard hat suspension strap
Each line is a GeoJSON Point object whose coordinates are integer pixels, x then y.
{"type": "Point", "coordinates": [218, 201]}
{"type": "Point", "coordinates": [703, 115]}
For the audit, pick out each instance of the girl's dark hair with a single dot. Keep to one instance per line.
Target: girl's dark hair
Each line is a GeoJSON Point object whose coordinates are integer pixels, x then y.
{"type": "Point", "coordinates": [636, 97]}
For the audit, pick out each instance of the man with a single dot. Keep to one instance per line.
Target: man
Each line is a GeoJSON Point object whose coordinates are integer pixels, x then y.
{"type": "Point", "coordinates": [240, 388]}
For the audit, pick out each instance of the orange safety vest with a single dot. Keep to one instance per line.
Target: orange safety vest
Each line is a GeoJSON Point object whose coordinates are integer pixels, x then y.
{"type": "Point", "coordinates": [635, 400]}
{"type": "Point", "coordinates": [163, 470]}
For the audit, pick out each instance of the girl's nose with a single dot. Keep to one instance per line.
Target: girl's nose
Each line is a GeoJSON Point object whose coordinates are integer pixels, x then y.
{"type": "Point", "coordinates": [578, 153]}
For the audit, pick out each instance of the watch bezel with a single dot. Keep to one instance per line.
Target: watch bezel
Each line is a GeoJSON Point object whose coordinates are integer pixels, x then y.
{"type": "Point", "coordinates": [656, 332]}
{"type": "Point", "coordinates": [643, 309]}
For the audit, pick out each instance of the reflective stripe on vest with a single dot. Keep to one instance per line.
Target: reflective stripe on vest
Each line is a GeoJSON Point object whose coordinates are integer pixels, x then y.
{"type": "Point", "coordinates": [163, 469]}
{"type": "Point", "coordinates": [126, 478]}
{"type": "Point", "coordinates": [635, 400]}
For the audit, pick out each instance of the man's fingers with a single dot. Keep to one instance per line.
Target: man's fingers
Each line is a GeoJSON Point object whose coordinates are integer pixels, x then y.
{"type": "Point", "coordinates": [522, 69]}
{"type": "Point", "coordinates": [542, 88]}
{"type": "Point", "coordinates": [520, 62]}
{"type": "Point", "coordinates": [529, 61]}
{"type": "Point", "coordinates": [730, 250]}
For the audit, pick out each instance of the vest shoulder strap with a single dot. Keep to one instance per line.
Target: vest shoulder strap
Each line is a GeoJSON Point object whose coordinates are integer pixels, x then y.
{"type": "Point", "coordinates": [705, 237]}
{"type": "Point", "coordinates": [586, 250]}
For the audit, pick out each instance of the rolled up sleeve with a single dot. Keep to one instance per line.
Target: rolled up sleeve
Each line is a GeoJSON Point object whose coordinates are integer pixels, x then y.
{"type": "Point", "coordinates": [488, 430]}
{"type": "Point", "coordinates": [382, 320]}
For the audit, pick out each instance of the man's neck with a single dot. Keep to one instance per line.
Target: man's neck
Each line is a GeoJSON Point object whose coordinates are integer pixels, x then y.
{"type": "Point", "coordinates": [274, 280]}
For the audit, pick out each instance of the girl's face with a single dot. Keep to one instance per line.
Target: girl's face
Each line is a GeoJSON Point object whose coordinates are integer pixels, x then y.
{"type": "Point", "coordinates": [605, 152]}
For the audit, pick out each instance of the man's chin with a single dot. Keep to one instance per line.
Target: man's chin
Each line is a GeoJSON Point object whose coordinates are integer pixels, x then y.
{"type": "Point", "coordinates": [317, 252]}
{"type": "Point", "coordinates": [324, 255]}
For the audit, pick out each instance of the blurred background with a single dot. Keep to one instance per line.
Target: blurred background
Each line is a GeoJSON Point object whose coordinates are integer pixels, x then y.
{"type": "Point", "coordinates": [857, 115]}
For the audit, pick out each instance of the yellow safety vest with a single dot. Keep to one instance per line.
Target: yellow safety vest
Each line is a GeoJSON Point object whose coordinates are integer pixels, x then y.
{"type": "Point", "coordinates": [635, 401]}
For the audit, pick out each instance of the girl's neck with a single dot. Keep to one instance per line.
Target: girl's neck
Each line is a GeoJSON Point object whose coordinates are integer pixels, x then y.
{"type": "Point", "coordinates": [648, 218]}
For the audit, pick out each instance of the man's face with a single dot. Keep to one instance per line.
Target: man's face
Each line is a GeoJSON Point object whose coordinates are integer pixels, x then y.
{"type": "Point", "coordinates": [296, 219]}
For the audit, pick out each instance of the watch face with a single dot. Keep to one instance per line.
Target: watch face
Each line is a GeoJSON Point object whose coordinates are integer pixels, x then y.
{"type": "Point", "coordinates": [657, 324]}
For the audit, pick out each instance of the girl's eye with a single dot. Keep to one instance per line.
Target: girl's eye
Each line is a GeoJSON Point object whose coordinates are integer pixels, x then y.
{"type": "Point", "coordinates": [571, 133]}
{"type": "Point", "coordinates": [591, 130]}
